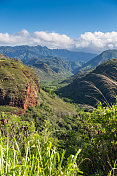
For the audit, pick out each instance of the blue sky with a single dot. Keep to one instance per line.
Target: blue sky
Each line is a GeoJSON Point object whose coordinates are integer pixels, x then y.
{"type": "Point", "coordinates": [70, 17]}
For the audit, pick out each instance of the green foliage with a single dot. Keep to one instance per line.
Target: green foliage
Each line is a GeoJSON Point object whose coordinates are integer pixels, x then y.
{"type": "Point", "coordinates": [96, 134]}
{"type": "Point", "coordinates": [10, 110]}
{"type": "Point", "coordinates": [104, 56]}
{"type": "Point", "coordinates": [38, 157]}
{"type": "Point", "coordinates": [113, 169]}
{"type": "Point", "coordinates": [64, 62]}
{"type": "Point", "coordinates": [16, 128]}
{"type": "Point", "coordinates": [106, 120]}
{"type": "Point", "coordinates": [42, 154]}
{"type": "Point", "coordinates": [96, 86]}
{"type": "Point", "coordinates": [14, 79]}
{"type": "Point", "coordinates": [104, 138]}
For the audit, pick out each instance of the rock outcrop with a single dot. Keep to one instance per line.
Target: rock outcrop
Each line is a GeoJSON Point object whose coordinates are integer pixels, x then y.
{"type": "Point", "coordinates": [19, 85]}
{"type": "Point", "coordinates": [31, 97]}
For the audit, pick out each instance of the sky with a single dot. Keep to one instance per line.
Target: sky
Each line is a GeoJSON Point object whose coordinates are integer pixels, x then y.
{"type": "Point", "coordinates": [81, 25]}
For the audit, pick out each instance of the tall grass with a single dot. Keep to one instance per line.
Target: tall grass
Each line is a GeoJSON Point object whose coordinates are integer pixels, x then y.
{"type": "Point", "coordinates": [37, 159]}
{"type": "Point", "coordinates": [113, 171]}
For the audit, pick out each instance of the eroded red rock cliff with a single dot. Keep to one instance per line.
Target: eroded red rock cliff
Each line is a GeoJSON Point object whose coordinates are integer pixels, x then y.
{"type": "Point", "coordinates": [31, 97]}
{"type": "Point", "coordinates": [19, 85]}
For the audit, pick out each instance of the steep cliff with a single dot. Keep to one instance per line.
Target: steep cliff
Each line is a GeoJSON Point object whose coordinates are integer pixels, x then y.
{"type": "Point", "coordinates": [19, 85]}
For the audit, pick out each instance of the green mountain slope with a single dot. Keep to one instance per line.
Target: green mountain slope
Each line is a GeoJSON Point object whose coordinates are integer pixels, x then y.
{"type": "Point", "coordinates": [53, 68]}
{"type": "Point", "coordinates": [104, 56]}
{"type": "Point", "coordinates": [44, 72]}
{"type": "Point", "coordinates": [25, 51]}
{"type": "Point", "coordinates": [55, 63]}
{"type": "Point", "coordinates": [20, 90]}
{"type": "Point", "coordinates": [19, 85]}
{"type": "Point", "coordinates": [90, 65]}
{"type": "Point", "coordinates": [73, 55]}
{"type": "Point", "coordinates": [60, 60]}
{"type": "Point", "coordinates": [98, 85]}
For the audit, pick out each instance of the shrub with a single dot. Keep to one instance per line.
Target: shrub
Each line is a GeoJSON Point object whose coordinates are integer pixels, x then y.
{"type": "Point", "coordinates": [38, 157]}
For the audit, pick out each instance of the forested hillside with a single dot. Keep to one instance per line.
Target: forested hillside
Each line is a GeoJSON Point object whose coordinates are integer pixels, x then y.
{"type": "Point", "coordinates": [26, 52]}
{"type": "Point", "coordinates": [100, 85]}
{"type": "Point", "coordinates": [43, 134]}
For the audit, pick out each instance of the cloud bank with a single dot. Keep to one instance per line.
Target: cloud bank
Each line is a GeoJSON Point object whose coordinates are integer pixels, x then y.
{"type": "Point", "coordinates": [91, 42]}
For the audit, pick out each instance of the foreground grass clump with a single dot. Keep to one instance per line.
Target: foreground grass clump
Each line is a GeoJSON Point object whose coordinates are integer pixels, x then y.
{"type": "Point", "coordinates": [38, 157]}
{"type": "Point", "coordinates": [54, 150]}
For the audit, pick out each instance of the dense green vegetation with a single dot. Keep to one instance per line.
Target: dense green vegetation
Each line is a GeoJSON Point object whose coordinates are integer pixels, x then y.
{"type": "Point", "coordinates": [52, 68]}
{"type": "Point", "coordinates": [15, 78]}
{"type": "Point", "coordinates": [61, 63]}
{"type": "Point", "coordinates": [24, 152]}
{"type": "Point", "coordinates": [27, 52]}
{"type": "Point", "coordinates": [99, 85]}
{"type": "Point", "coordinates": [104, 56]}
{"type": "Point", "coordinates": [45, 73]}
{"type": "Point", "coordinates": [58, 137]}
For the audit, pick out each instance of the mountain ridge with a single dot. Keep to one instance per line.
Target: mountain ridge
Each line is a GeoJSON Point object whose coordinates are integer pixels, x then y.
{"type": "Point", "coordinates": [24, 51]}
{"type": "Point", "coordinates": [98, 85]}
{"type": "Point", "coordinates": [104, 56]}
{"type": "Point", "coordinates": [63, 62]}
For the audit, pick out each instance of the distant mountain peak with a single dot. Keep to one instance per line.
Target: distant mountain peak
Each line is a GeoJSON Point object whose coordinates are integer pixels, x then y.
{"type": "Point", "coordinates": [104, 56]}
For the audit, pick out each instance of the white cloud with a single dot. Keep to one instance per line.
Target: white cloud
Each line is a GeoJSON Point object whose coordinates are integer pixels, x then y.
{"type": "Point", "coordinates": [97, 41]}
{"type": "Point", "coordinates": [22, 33]}
{"type": "Point", "coordinates": [93, 42]}
{"type": "Point", "coordinates": [53, 40]}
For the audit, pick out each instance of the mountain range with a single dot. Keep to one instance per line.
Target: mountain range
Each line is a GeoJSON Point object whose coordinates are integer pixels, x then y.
{"type": "Point", "coordinates": [99, 85]}
{"type": "Point", "coordinates": [26, 52]}
{"type": "Point", "coordinates": [71, 61]}
{"type": "Point", "coordinates": [20, 92]}
{"type": "Point", "coordinates": [64, 63]}
{"type": "Point", "coordinates": [92, 64]}
{"type": "Point", "coordinates": [86, 87]}
{"type": "Point", "coordinates": [104, 56]}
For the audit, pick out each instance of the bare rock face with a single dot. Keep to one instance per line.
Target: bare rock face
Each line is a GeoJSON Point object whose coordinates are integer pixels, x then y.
{"type": "Point", "coordinates": [31, 97]}
{"type": "Point", "coordinates": [19, 85]}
